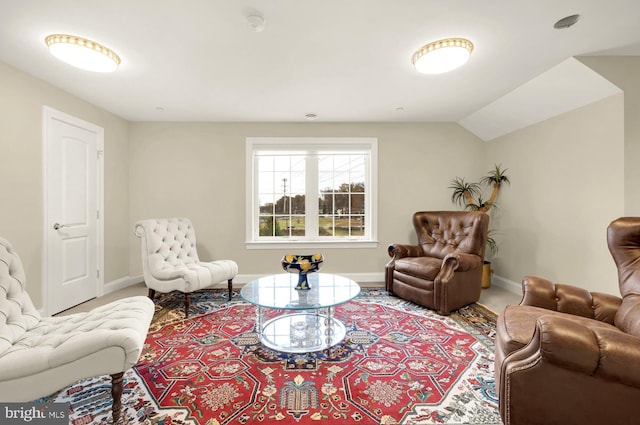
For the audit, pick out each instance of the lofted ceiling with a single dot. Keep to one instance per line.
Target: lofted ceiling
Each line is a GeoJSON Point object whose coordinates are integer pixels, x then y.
{"type": "Point", "coordinates": [343, 60]}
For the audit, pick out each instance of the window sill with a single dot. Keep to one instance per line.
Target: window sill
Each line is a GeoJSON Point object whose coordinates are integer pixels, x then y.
{"type": "Point", "coordinates": [311, 244]}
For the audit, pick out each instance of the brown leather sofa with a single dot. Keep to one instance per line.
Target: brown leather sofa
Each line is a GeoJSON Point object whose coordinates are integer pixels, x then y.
{"type": "Point", "coordinates": [444, 271]}
{"type": "Point", "coordinates": [567, 356]}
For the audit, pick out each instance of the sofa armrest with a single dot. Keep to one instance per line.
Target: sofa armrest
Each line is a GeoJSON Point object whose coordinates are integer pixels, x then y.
{"type": "Point", "coordinates": [540, 292]}
{"type": "Point", "coordinates": [600, 352]}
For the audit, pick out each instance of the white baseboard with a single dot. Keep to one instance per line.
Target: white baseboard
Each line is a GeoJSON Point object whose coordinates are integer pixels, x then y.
{"type": "Point", "coordinates": [507, 284]}
{"type": "Point", "coordinates": [123, 282]}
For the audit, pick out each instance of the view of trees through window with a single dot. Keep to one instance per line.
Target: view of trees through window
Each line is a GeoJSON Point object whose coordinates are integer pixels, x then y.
{"type": "Point", "coordinates": [340, 189]}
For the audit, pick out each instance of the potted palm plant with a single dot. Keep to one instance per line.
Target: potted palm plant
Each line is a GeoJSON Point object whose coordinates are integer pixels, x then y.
{"type": "Point", "coordinates": [469, 195]}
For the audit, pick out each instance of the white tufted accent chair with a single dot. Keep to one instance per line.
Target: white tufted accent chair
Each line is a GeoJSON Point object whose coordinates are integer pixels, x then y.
{"type": "Point", "coordinates": [170, 260]}
{"type": "Point", "coordinates": [39, 356]}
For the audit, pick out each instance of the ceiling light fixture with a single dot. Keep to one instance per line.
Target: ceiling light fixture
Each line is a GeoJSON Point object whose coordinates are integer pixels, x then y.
{"type": "Point", "coordinates": [442, 55]}
{"type": "Point", "coordinates": [82, 53]}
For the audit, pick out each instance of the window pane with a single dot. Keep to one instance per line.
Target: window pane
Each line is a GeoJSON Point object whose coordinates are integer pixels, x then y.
{"type": "Point", "coordinates": [341, 227]}
{"type": "Point", "coordinates": [357, 226]}
{"type": "Point", "coordinates": [298, 163]}
{"type": "Point", "coordinates": [266, 182]}
{"type": "Point", "coordinates": [357, 203]}
{"type": "Point", "coordinates": [282, 205]}
{"type": "Point", "coordinates": [265, 163]}
{"type": "Point", "coordinates": [266, 226]}
{"type": "Point", "coordinates": [297, 225]}
{"type": "Point", "coordinates": [325, 225]}
{"type": "Point", "coordinates": [325, 181]}
{"type": "Point", "coordinates": [297, 182]}
{"type": "Point", "coordinates": [325, 203]}
{"type": "Point", "coordinates": [342, 204]}
{"type": "Point", "coordinates": [281, 163]}
{"type": "Point", "coordinates": [297, 204]}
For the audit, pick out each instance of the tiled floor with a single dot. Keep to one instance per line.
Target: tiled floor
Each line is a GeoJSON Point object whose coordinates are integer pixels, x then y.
{"type": "Point", "coordinates": [494, 298]}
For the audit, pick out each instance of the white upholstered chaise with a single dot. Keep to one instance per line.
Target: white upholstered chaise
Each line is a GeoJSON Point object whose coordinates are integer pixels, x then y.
{"type": "Point", "coordinates": [170, 259]}
{"type": "Point", "coordinates": [41, 355]}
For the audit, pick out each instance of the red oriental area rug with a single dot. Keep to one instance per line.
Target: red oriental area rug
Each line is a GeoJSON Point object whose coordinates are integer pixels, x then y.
{"type": "Point", "coordinates": [399, 363]}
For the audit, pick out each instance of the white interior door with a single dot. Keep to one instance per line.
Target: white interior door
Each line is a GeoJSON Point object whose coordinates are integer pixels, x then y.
{"type": "Point", "coordinates": [72, 209]}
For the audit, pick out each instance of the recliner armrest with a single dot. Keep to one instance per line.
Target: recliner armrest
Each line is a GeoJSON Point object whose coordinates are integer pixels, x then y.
{"type": "Point", "coordinates": [457, 261]}
{"type": "Point", "coordinates": [596, 351]}
{"type": "Point", "coordinates": [540, 292]}
{"type": "Point", "coordinates": [397, 250]}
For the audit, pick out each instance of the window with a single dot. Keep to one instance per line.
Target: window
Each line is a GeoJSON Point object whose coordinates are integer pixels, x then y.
{"type": "Point", "coordinates": [306, 191]}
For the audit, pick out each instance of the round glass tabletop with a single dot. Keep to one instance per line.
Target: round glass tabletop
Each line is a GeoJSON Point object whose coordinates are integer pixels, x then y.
{"type": "Point", "coordinates": [278, 291]}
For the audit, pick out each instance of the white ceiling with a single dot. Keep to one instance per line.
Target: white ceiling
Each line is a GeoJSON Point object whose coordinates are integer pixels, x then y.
{"type": "Point", "coordinates": [344, 60]}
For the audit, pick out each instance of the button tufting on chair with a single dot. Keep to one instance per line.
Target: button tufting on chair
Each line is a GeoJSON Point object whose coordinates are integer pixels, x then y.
{"type": "Point", "coordinates": [172, 263]}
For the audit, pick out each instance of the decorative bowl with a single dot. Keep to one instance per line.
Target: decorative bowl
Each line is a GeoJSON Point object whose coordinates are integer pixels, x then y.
{"type": "Point", "coordinates": [302, 264]}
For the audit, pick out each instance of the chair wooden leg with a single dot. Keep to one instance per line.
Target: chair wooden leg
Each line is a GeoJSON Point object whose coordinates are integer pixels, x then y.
{"type": "Point", "coordinates": [116, 395]}
{"type": "Point", "coordinates": [186, 305]}
{"type": "Point", "coordinates": [152, 293]}
{"type": "Point", "coordinates": [230, 285]}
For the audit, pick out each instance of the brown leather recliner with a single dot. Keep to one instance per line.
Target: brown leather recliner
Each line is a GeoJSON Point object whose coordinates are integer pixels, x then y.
{"type": "Point", "coordinates": [567, 356]}
{"type": "Point", "coordinates": [444, 271]}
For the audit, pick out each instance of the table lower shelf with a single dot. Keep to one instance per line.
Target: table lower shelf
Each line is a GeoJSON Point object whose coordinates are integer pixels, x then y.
{"type": "Point", "coordinates": [302, 332]}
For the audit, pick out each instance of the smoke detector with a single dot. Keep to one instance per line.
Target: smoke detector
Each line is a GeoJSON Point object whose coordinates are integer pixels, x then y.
{"type": "Point", "coordinates": [256, 23]}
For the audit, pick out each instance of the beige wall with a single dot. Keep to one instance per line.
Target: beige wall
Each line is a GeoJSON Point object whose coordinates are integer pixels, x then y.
{"type": "Point", "coordinates": [21, 100]}
{"type": "Point", "coordinates": [567, 178]}
{"type": "Point", "coordinates": [623, 71]}
{"type": "Point", "coordinates": [198, 170]}
{"type": "Point", "coordinates": [567, 185]}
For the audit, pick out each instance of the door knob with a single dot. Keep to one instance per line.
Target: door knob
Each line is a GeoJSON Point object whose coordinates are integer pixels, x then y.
{"type": "Point", "coordinates": [59, 226]}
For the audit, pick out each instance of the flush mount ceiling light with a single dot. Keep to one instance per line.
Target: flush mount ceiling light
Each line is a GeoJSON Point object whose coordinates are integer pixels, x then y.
{"type": "Point", "coordinates": [442, 55]}
{"type": "Point", "coordinates": [82, 53]}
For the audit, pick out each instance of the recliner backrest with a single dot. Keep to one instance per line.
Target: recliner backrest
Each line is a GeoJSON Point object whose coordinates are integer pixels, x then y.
{"type": "Point", "coordinates": [17, 313]}
{"type": "Point", "coordinates": [443, 232]}
{"type": "Point", "coordinates": [623, 239]}
{"type": "Point", "coordinates": [170, 242]}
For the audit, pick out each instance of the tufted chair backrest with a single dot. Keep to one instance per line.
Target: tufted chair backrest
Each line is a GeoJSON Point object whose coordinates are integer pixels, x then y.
{"type": "Point", "coordinates": [623, 238]}
{"type": "Point", "coordinates": [17, 313]}
{"type": "Point", "coordinates": [444, 232]}
{"type": "Point", "coordinates": [169, 242]}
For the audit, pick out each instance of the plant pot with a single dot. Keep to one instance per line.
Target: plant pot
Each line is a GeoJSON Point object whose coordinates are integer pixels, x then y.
{"type": "Point", "coordinates": [487, 271]}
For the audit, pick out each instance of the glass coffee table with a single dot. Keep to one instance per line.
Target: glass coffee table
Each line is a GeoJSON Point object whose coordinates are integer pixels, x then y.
{"type": "Point", "coordinates": [307, 323]}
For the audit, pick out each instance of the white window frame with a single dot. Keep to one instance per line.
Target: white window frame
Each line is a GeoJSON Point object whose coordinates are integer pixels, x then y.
{"type": "Point", "coordinates": [315, 144]}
